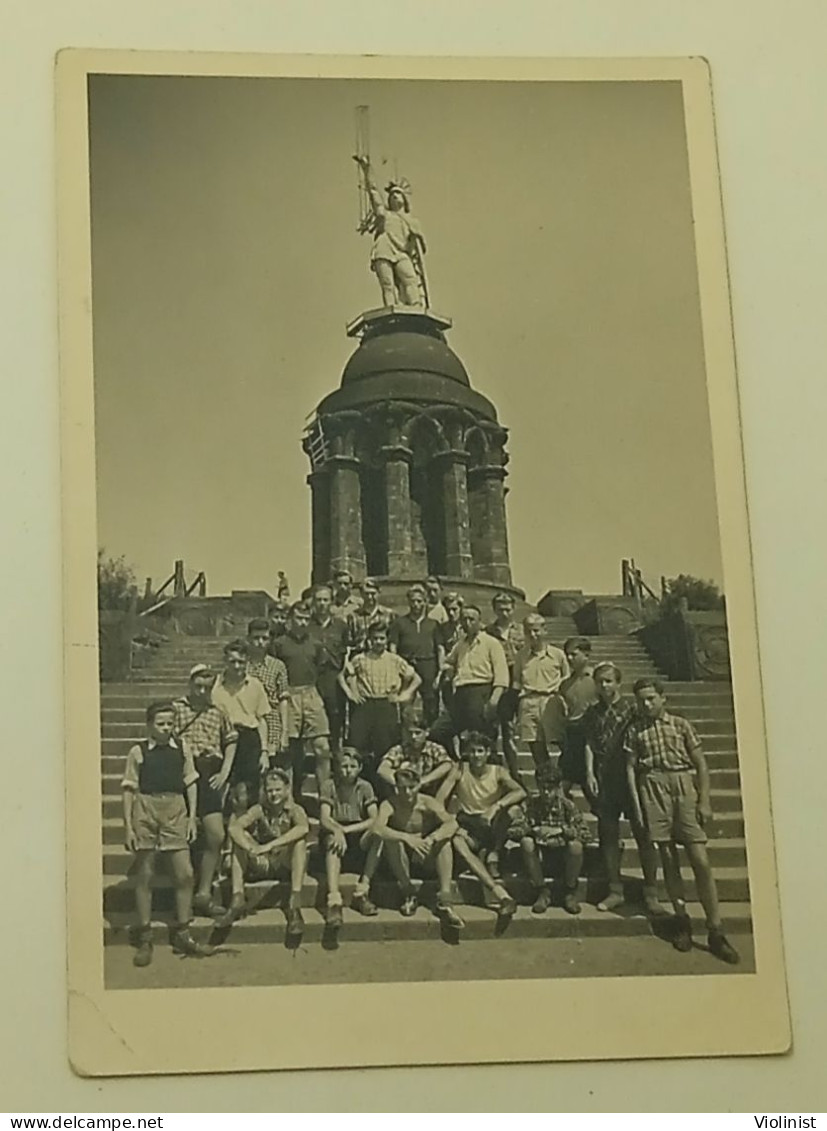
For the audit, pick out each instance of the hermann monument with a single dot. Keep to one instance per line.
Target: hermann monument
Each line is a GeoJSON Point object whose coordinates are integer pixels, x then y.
{"type": "Point", "coordinates": [408, 461]}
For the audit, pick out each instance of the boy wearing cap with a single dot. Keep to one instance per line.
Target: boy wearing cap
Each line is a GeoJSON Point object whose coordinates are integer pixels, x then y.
{"type": "Point", "coordinates": [206, 735]}
{"type": "Point", "coordinates": [159, 801]}
{"type": "Point", "coordinates": [245, 701]}
{"type": "Point", "coordinates": [415, 829]}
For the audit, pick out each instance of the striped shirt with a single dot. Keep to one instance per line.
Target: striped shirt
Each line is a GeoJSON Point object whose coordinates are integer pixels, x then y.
{"type": "Point", "coordinates": [378, 677]}
{"type": "Point", "coordinates": [272, 675]}
{"type": "Point", "coordinates": [666, 743]}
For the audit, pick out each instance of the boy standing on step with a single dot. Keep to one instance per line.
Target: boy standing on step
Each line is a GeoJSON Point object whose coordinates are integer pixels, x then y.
{"type": "Point", "coordinates": [269, 843]}
{"type": "Point", "coordinates": [669, 783]}
{"type": "Point", "coordinates": [272, 675]}
{"type": "Point", "coordinates": [606, 723]}
{"type": "Point", "coordinates": [304, 659]}
{"type": "Point", "coordinates": [245, 701]}
{"type": "Point", "coordinates": [539, 669]}
{"type": "Point", "coordinates": [159, 802]}
{"type": "Point", "coordinates": [577, 693]}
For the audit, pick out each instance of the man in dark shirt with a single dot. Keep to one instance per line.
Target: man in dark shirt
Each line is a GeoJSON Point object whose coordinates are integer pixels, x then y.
{"type": "Point", "coordinates": [412, 637]}
{"type": "Point", "coordinates": [304, 659]}
{"type": "Point", "coordinates": [332, 633]}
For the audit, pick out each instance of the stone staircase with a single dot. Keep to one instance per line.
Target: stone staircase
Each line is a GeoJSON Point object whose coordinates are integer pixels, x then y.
{"type": "Point", "coordinates": [708, 705]}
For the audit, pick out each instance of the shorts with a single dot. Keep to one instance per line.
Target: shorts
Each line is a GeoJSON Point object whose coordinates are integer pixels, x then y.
{"type": "Point", "coordinates": [531, 713]}
{"type": "Point", "coordinates": [272, 866]}
{"type": "Point", "coordinates": [307, 716]}
{"type": "Point", "coordinates": [670, 806]}
{"type": "Point", "coordinates": [479, 833]}
{"type": "Point", "coordinates": [159, 821]}
{"type": "Point", "coordinates": [209, 800]}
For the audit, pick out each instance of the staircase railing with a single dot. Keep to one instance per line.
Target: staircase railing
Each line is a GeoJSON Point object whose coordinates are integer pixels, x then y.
{"type": "Point", "coordinates": [633, 583]}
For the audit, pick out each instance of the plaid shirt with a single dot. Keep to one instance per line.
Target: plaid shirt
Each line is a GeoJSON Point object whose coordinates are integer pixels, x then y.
{"type": "Point", "coordinates": [272, 675]}
{"type": "Point", "coordinates": [512, 638]}
{"type": "Point", "coordinates": [661, 744]}
{"type": "Point", "coordinates": [378, 677]}
{"type": "Point", "coordinates": [207, 731]}
{"type": "Point", "coordinates": [432, 755]}
{"type": "Point", "coordinates": [360, 621]}
{"type": "Point", "coordinates": [606, 725]}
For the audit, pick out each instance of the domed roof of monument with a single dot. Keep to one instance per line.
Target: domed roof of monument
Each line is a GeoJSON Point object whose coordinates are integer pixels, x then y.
{"type": "Point", "coordinates": [404, 351]}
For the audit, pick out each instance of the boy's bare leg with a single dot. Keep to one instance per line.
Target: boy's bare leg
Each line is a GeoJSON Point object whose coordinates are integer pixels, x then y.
{"type": "Point", "coordinates": [372, 858]}
{"type": "Point", "coordinates": [321, 751]}
{"type": "Point", "coordinates": [574, 864]}
{"type": "Point", "coordinates": [333, 870]}
{"type": "Point", "coordinates": [237, 868]}
{"type": "Point", "coordinates": [444, 865]}
{"type": "Point", "coordinates": [400, 865]}
{"type": "Point", "coordinates": [466, 854]}
{"type": "Point", "coordinates": [705, 882]}
{"type": "Point", "coordinates": [213, 828]}
{"type": "Point", "coordinates": [183, 878]}
{"type": "Point", "coordinates": [670, 860]}
{"type": "Point", "coordinates": [648, 856]}
{"type": "Point", "coordinates": [298, 869]}
{"type": "Point", "coordinates": [534, 870]}
{"type": "Point", "coordinates": [608, 832]}
{"type": "Point", "coordinates": [143, 886]}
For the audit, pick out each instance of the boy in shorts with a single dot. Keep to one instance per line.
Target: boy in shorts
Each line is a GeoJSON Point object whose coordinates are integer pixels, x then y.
{"type": "Point", "coordinates": [539, 669]}
{"type": "Point", "coordinates": [577, 693]}
{"type": "Point", "coordinates": [270, 843]}
{"type": "Point", "coordinates": [483, 797]}
{"type": "Point", "coordinates": [304, 659]}
{"type": "Point", "coordinates": [669, 785]}
{"type": "Point", "coordinates": [549, 819]}
{"type": "Point", "coordinates": [159, 802]}
{"type": "Point", "coordinates": [605, 724]}
{"type": "Point", "coordinates": [348, 811]}
{"type": "Point", "coordinates": [431, 761]}
{"type": "Point", "coordinates": [415, 828]}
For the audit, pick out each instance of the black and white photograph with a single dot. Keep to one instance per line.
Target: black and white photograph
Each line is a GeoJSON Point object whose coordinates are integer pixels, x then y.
{"type": "Point", "coordinates": [410, 545]}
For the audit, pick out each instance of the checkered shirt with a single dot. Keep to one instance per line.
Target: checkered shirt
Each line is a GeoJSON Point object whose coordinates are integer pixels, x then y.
{"type": "Point", "coordinates": [661, 744]}
{"type": "Point", "coordinates": [272, 674]}
{"type": "Point", "coordinates": [606, 726]}
{"type": "Point", "coordinates": [432, 755]}
{"type": "Point", "coordinates": [202, 732]}
{"type": "Point", "coordinates": [378, 677]}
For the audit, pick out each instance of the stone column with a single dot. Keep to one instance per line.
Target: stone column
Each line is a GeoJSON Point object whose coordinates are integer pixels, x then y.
{"type": "Point", "coordinates": [347, 550]}
{"type": "Point", "coordinates": [397, 459]}
{"type": "Point", "coordinates": [458, 560]}
{"type": "Point", "coordinates": [320, 525]}
{"type": "Point", "coordinates": [490, 534]}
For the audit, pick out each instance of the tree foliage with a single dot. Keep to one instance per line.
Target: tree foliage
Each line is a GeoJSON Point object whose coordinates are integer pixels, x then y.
{"type": "Point", "coordinates": [117, 585]}
{"type": "Point", "coordinates": [700, 595]}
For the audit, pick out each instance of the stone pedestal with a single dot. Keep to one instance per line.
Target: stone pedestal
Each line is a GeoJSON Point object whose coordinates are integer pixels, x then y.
{"type": "Point", "coordinates": [408, 461]}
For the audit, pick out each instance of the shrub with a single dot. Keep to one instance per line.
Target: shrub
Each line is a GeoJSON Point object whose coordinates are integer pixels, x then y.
{"type": "Point", "coordinates": [117, 586]}
{"type": "Point", "coordinates": [700, 595]}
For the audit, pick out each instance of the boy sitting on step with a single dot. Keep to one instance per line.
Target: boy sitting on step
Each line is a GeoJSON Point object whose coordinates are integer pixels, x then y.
{"type": "Point", "coordinates": [431, 760]}
{"type": "Point", "coordinates": [483, 797]}
{"type": "Point", "coordinates": [159, 803]}
{"type": "Point", "coordinates": [348, 811]}
{"type": "Point", "coordinates": [550, 819]}
{"type": "Point", "coordinates": [270, 843]}
{"type": "Point", "coordinates": [669, 786]}
{"type": "Point", "coordinates": [415, 828]}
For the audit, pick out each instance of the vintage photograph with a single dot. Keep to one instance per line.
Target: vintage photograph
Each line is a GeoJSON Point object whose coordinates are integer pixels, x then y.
{"type": "Point", "coordinates": [414, 630]}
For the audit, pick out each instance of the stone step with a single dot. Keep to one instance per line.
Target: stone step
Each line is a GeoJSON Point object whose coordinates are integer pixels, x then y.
{"type": "Point", "coordinates": [118, 890]}
{"type": "Point", "coordinates": [267, 925]}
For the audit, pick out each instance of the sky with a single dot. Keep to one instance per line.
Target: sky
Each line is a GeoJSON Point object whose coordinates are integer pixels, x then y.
{"type": "Point", "coordinates": [226, 264]}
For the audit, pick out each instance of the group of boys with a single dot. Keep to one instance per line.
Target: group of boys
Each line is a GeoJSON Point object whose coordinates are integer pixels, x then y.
{"type": "Point", "coordinates": [403, 717]}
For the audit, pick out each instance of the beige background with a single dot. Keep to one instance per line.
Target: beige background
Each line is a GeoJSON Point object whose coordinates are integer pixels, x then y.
{"type": "Point", "coordinates": [771, 191]}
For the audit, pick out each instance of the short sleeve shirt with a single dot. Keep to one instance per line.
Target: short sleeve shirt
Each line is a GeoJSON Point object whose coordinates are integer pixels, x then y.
{"type": "Point", "coordinates": [666, 743]}
{"type": "Point", "coordinates": [135, 759]}
{"type": "Point", "coordinates": [202, 731]}
{"type": "Point", "coordinates": [414, 640]}
{"type": "Point", "coordinates": [334, 638]}
{"type": "Point", "coordinates": [540, 673]}
{"type": "Point", "coordinates": [512, 638]}
{"type": "Point", "coordinates": [378, 677]}
{"type": "Point", "coordinates": [304, 659]}
{"type": "Point", "coordinates": [265, 824]}
{"type": "Point", "coordinates": [348, 802]}
{"type": "Point", "coordinates": [606, 726]}
{"type": "Point", "coordinates": [246, 706]}
{"type": "Point", "coordinates": [579, 692]}
{"type": "Point", "coordinates": [481, 660]}
{"type": "Point", "coordinates": [272, 675]}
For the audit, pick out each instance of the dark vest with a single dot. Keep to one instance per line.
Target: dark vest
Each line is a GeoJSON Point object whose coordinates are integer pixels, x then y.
{"type": "Point", "coordinates": [162, 769]}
